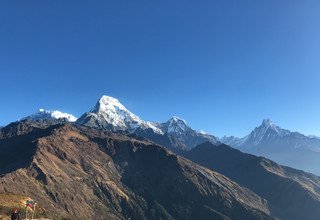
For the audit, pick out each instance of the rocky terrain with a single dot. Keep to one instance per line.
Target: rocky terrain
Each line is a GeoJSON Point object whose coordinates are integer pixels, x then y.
{"type": "Point", "coordinates": [112, 164]}
{"type": "Point", "coordinates": [84, 173]}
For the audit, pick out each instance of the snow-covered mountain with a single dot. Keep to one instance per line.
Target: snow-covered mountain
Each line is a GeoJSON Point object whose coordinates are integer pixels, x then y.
{"type": "Point", "coordinates": [269, 135]}
{"type": "Point", "coordinates": [180, 130]}
{"type": "Point", "coordinates": [281, 145]}
{"type": "Point", "coordinates": [46, 114]}
{"type": "Point", "coordinates": [110, 114]}
{"type": "Point", "coordinates": [175, 126]}
{"type": "Point", "coordinates": [269, 140]}
{"type": "Point", "coordinates": [266, 133]}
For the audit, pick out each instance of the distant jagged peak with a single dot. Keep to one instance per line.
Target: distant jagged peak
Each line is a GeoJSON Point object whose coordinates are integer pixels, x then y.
{"type": "Point", "coordinates": [268, 124]}
{"type": "Point", "coordinates": [176, 125]}
{"type": "Point", "coordinates": [232, 140]}
{"type": "Point", "coordinates": [177, 120]}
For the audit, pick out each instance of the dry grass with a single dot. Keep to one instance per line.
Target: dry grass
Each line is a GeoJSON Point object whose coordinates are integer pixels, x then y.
{"type": "Point", "coordinates": [8, 202]}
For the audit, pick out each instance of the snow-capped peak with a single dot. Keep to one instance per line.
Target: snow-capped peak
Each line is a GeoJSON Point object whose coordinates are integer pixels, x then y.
{"type": "Point", "coordinates": [111, 113]}
{"type": "Point", "coordinates": [177, 119]}
{"type": "Point", "coordinates": [176, 125]}
{"type": "Point", "coordinates": [268, 124]}
{"type": "Point", "coordinates": [48, 114]}
{"type": "Point", "coordinates": [267, 130]}
{"type": "Point", "coordinates": [107, 103]}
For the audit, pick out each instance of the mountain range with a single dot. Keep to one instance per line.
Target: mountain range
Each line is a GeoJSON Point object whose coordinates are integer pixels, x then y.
{"type": "Point", "coordinates": [281, 145]}
{"type": "Point", "coordinates": [110, 114]}
{"type": "Point", "coordinates": [78, 172]}
{"type": "Point", "coordinates": [269, 135]}
{"type": "Point", "coordinates": [110, 164]}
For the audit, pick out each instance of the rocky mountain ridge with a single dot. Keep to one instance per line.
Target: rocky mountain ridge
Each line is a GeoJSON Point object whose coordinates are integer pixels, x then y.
{"type": "Point", "coordinates": [89, 173]}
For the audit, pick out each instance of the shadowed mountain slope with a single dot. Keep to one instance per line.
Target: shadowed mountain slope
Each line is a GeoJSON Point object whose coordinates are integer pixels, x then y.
{"type": "Point", "coordinates": [291, 194]}
{"type": "Point", "coordinates": [87, 173]}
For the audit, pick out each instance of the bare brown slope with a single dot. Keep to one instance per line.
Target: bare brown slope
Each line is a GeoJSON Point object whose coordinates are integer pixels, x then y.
{"type": "Point", "coordinates": [89, 173]}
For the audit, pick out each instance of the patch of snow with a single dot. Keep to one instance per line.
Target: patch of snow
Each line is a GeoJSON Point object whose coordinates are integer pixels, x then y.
{"type": "Point", "coordinates": [55, 114]}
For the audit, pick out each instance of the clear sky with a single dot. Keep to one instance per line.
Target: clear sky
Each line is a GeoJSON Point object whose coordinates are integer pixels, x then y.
{"type": "Point", "coordinates": [221, 65]}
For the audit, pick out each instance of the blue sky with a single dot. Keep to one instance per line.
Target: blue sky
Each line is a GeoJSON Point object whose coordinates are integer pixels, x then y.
{"type": "Point", "coordinates": [221, 65]}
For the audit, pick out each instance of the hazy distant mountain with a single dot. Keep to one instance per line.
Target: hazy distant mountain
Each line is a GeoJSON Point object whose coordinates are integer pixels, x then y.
{"type": "Point", "coordinates": [268, 135]}
{"type": "Point", "coordinates": [231, 140]}
{"type": "Point", "coordinates": [285, 147]}
{"type": "Point", "coordinates": [78, 172]}
{"type": "Point", "coordinates": [45, 114]}
{"type": "Point", "coordinates": [110, 114]}
{"type": "Point", "coordinates": [292, 194]}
